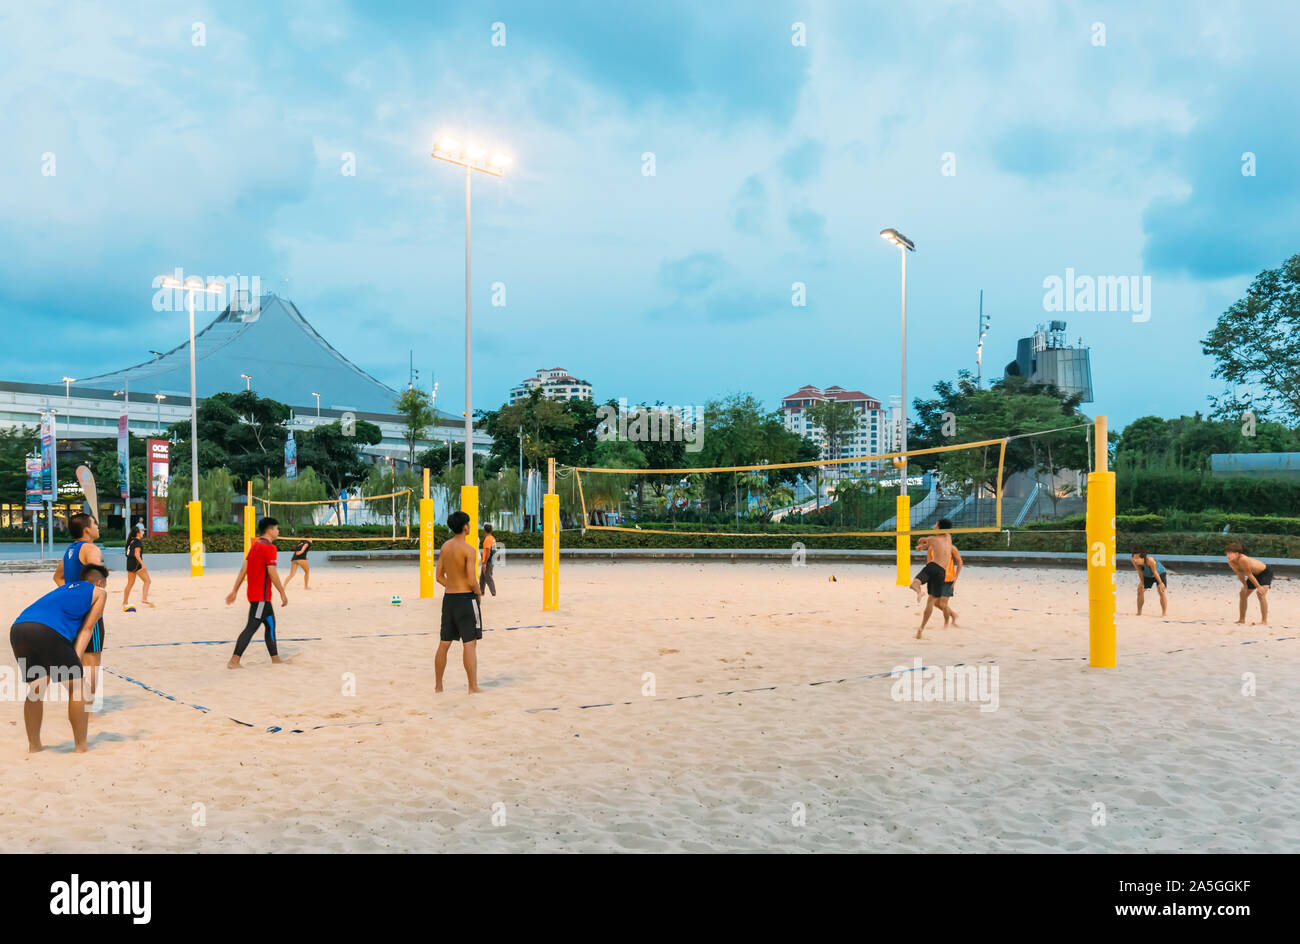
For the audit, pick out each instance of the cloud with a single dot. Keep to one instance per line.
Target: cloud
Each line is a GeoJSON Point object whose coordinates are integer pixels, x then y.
{"type": "Point", "coordinates": [808, 225]}
{"type": "Point", "coordinates": [803, 162]}
{"type": "Point", "coordinates": [1033, 150]}
{"type": "Point", "coordinates": [1227, 223]}
{"type": "Point", "coordinates": [692, 274]}
{"type": "Point", "coordinates": [749, 206]}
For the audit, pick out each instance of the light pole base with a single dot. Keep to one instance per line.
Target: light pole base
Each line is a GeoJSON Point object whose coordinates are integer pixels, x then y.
{"type": "Point", "coordinates": [902, 543]}
{"type": "Point", "coordinates": [196, 538]}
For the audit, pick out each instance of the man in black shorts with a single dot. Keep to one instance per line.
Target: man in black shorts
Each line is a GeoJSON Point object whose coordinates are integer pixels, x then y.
{"type": "Point", "coordinates": [462, 618]}
{"type": "Point", "coordinates": [49, 639]}
{"type": "Point", "coordinates": [1255, 576]}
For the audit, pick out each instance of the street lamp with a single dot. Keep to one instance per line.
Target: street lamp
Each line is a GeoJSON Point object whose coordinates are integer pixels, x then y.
{"type": "Point", "coordinates": [160, 397]}
{"type": "Point", "coordinates": [985, 322]}
{"type": "Point", "coordinates": [67, 390]}
{"type": "Point", "coordinates": [248, 381]}
{"type": "Point", "coordinates": [471, 158]}
{"type": "Point", "coordinates": [904, 508]}
{"type": "Point", "coordinates": [190, 286]}
{"type": "Point", "coordinates": [317, 396]}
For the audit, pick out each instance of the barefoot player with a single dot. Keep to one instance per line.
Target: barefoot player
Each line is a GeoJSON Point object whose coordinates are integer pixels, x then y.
{"type": "Point", "coordinates": [299, 559]}
{"type": "Point", "coordinates": [135, 566]}
{"type": "Point", "coordinates": [462, 617]}
{"type": "Point", "coordinates": [1255, 576]}
{"type": "Point", "coordinates": [1151, 573]}
{"type": "Point", "coordinates": [938, 574]}
{"type": "Point", "coordinates": [260, 568]}
{"type": "Point", "coordinates": [49, 639]}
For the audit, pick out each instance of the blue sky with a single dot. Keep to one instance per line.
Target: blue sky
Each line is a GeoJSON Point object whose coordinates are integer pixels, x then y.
{"type": "Point", "coordinates": [774, 163]}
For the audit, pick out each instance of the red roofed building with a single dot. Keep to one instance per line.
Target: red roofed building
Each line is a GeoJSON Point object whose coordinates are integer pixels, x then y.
{"type": "Point", "coordinates": [556, 383]}
{"type": "Point", "coordinates": [872, 437]}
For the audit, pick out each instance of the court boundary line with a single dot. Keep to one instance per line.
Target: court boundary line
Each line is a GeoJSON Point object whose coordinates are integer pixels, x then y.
{"type": "Point", "coordinates": [274, 728]}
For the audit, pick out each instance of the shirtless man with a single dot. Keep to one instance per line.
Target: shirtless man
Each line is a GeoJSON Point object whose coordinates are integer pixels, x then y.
{"type": "Point", "coordinates": [937, 572]}
{"type": "Point", "coordinates": [462, 617]}
{"type": "Point", "coordinates": [1255, 576]}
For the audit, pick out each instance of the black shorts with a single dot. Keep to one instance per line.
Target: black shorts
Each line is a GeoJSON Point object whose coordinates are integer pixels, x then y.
{"type": "Point", "coordinates": [42, 651]}
{"type": "Point", "coordinates": [461, 618]}
{"type": "Point", "coordinates": [1149, 582]}
{"type": "Point", "coordinates": [947, 589]}
{"type": "Point", "coordinates": [1264, 578]}
{"type": "Point", "coordinates": [133, 565]}
{"type": "Point", "coordinates": [96, 645]}
{"type": "Point", "coordinates": [932, 576]}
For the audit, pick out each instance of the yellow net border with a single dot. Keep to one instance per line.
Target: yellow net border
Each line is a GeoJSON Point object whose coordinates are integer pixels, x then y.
{"type": "Point", "coordinates": [996, 526]}
{"type": "Point", "coordinates": [268, 502]}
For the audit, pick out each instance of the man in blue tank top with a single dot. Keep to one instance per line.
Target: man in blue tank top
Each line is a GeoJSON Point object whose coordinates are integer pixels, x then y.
{"type": "Point", "coordinates": [84, 530]}
{"type": "Point", "coordinates": [49, 639]}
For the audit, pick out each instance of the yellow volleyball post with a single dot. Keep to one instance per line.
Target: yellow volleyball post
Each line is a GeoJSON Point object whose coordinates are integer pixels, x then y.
{"type": "Point", "coordinates": [902, 543]}
{"type": "Point", "coordinates": [469, 505]}
{"type": "Point", "coordinates": [550, 542]}
{"type": "Point", "coordinates": [250, 520]}
{"type": "Point", "coordinates": [1100, 531]}
{"type": "Point", "coordinates": [427, 549]}
{"type": "Point", "coordinates": [196, 538]}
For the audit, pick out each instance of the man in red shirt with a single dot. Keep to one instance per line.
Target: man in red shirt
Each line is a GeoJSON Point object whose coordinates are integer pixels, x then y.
{"type": "Point", "coordinates": [259, 567]}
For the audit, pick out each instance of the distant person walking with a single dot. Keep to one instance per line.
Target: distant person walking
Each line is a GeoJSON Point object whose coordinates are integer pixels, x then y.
{"type": "Point", "coordinates": [485, 581]}
{"type": "Point", "coordinates": [135, 567]}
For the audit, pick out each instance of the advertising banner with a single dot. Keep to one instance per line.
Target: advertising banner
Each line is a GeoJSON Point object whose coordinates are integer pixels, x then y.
{"type": "Point", "coordinates": [123, 458]}
{"type": "Point", "coordinates": [290, 457]}
{"type": "Point", "coordinates": [159, 474]}
{"type": "Point", "coordinates": [49, 458]}
{"type": "Point", "coordinates": [34, 498]}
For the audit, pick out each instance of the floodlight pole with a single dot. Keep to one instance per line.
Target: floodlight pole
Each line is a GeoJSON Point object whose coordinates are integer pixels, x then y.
{"type": "Point", "coordinates": [469, 394]}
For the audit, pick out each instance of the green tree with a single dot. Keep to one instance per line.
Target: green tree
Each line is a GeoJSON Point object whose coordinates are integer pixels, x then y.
{"type": "Point", "coordinates": [415, 407]}
{"type": "Point", "coordinates": [738, 431]}
{"type": "Point", "coordinates": [216, 492]}
{"type": "Point", "coordinates": [240, 431]}
{"type": "Point", "coordinates": [1256, 343]}
{"type": "Point", "coordinates": [564, 430]}
{"type": "Point", "coordinates": [435, 457]}
{"type": "Point", "coordinates": [15, 446]}
{"type": "Point", "coordinates": [1012, 406]}
{"type": "Point", "coordinates": [306, 487]}
{"type": "Point", "coordinates": [336, 457]}
{"type": "Point", "coordinates": [837, 422]}
{"type": "Point", "coordinates": [101, 458]}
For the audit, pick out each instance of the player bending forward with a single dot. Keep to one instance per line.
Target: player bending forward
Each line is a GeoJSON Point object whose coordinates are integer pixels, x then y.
{"type": "Point", "coordinates": [1255, 576]}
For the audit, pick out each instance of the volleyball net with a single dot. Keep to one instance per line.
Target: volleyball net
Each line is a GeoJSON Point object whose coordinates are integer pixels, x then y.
{"type": "Point", "coordinates": [353, 519]}
{"type": "Point", "coordinates": [854, 496]}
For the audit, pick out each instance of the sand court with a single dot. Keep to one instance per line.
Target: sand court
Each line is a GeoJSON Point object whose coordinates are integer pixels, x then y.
{"type": "Point", "coordinates": [671, 706]}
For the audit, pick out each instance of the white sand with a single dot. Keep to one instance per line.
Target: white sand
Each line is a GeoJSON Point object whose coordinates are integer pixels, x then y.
{"type": "Point", "coordinates": [1180, 758]}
